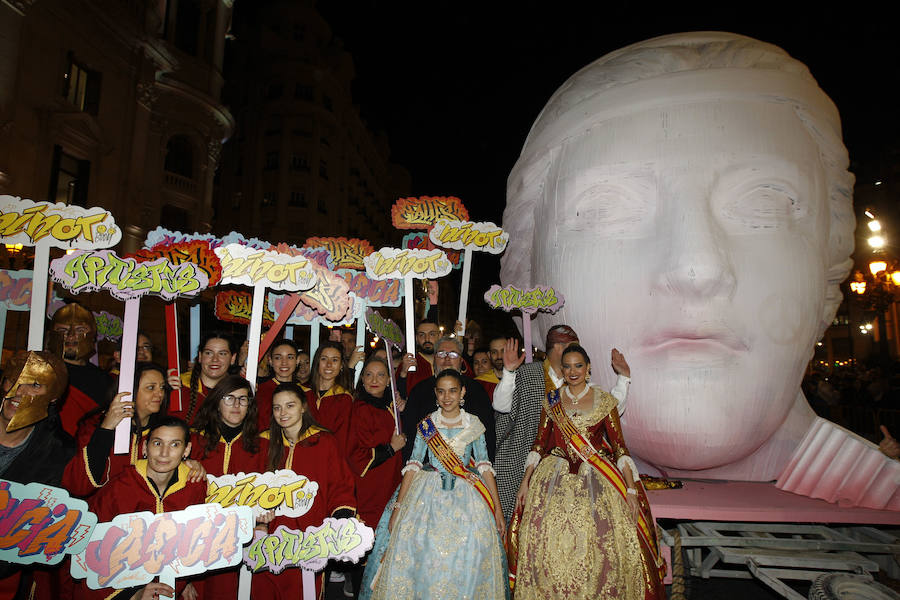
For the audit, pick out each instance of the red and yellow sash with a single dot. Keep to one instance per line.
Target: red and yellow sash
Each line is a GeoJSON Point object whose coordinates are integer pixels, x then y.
{"type": "Point", "coordinates": [602, 465]}
{"type": "Point", "coordinates": [450, 460]}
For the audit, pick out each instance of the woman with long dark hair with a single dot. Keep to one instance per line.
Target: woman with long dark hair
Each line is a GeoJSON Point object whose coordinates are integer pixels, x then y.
{"type": "Point", "coordinates": [216, 354]}
{"type": "Point", "coordinates": [284, 359]}
{"type": "Point", "coordinates": [297, 442]}
{"type": "Point", "coordinates": [330, 400]}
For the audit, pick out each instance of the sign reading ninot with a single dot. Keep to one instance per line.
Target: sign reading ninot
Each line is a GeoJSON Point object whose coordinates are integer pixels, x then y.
{"type": "Point", "coordinates": [423, 212]}
{"type": "Point", "coordinates": [283, 491]}
{"type": "Point", "coordinates": [243, 265]}
{"type": "Point", "coordinates": [466, 235]}
{"type": "Point", "coordinates": [538, 298]}
{"type": "Point", "coordinates": [40, 523]}
{"type": "Point", "coordinates": [126, 278]}
{"type": "Point", "coordinates": [32, 223]}
{"type": "Point", "coordinates": [395, 263]}
{"type": "Point", "coordinates": [135, 548]}
{"type": "Point", "coordinates": [346, 540]}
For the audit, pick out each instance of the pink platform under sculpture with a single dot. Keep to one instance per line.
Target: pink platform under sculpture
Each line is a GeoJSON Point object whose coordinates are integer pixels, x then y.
{"type": "Point", "coordinates": [690, 196]}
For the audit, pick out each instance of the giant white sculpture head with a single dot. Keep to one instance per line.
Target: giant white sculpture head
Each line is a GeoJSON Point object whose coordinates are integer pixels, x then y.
{"type": "Point", "coordinates": [690, 196]}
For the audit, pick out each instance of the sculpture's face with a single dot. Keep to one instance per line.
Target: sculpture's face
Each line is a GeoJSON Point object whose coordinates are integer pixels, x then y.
{"type": "Point", "coordinates": [693, 238]}
{"type": "Point", "coordinates": [78, 329]}
{"type": "Point", "coordinates": [33, 381]}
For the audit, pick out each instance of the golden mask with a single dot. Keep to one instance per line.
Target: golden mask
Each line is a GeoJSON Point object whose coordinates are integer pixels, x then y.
{"type": "Point", "coordinates": [29, 368]}
{"type": "Point", "coordinates": [78, 329]}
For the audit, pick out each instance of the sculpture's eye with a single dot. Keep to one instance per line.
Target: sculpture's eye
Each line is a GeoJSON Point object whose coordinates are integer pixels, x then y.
{"type": "Point", "coordinates": [608, 208]}
{"type": "Point", "coordinates": [761, 205]}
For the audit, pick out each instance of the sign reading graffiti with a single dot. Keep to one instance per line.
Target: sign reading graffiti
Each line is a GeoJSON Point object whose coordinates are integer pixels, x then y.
{"type": "Point", "coordinates": [283, 491]}
{"type": "Point", "coordinates": [126, 278]}
{"type": "Point", "coordinates": [394, 263]}
{"type": "Point", "coordinates": [198, 252]}
{"type": "Point", "coordinates": [466, 235]}
{"type": "Point", "coordinates": [165, 237]}
{"type": "Point", "coordinates": [235, 306]}
{"type": "Point", "coordinates": [15, 289]}
{"type": "Point", "coordinates": [32, 223]}
{"type": "Point", "coordinates": [243, 265]}
{"type": "Point", "coordinates": [423, 212]}
{"type": "Point", "coordinates": [420, 241]}
{"type": "Point", "coordinates": [511, 298]}
{"type": "Point", "coordinates": [109, 326]}
{"type": "Point", "coordinates": [134, 548]}
{"type": "Point", "coordinates": [375, 293]}
{"type": "Point", "coordinates": [346, 540]}
{"type": "Point", "coordinates": [40, 523]}
{"type": "Point", "coordinates": [386, 329]}
{"type": "Point", "coordinates": [345, 253]}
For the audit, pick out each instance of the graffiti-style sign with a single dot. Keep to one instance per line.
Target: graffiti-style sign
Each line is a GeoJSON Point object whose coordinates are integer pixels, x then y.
{"type": "Point", "coordinates": [423, 212]}
{"type": "Point", "coordinates": [345, 253]}
{"type": "Point", "coordinates": [134, 548]}
{"type": "Point", "coordinates": [165, 237]}
{"type": "Point", "coordinates": [386, 329]}
{"type": "Point", "coordinates": [126, 278]}
{"type": "Point", "coordinates": [109, 326]}
{"type": "Point", "coordinates": [420, 241]}
{"type": "Point", "coordinates": [40, 523]}
{"type": "Point", "coordinates": [242, 265]}
{"type": "Point", "coordinates": [329, 297]}
{"type": "Point", "coordinates": [375, 293]}
{"type": "Point", "coordinates": [32, 223]}
{"type": "Point", "coordinates": [466, 235]}
{"type": "Point", "coordinates": [303, 314]}
{"type": "Point", "coordinates": [283, 491]}
{"type": "Point", "coordinates": [395, 263]}
{"type": "Point", "coordinates": [198, 252]}
{"type": "Point", "coordinates": [538, 298]}
{"type": "Point", "coordinates": [346, 540]}
{"type": "Point", "coordinates": [15, 289]}
{"type": "Point", "coordinates": [234, 306]}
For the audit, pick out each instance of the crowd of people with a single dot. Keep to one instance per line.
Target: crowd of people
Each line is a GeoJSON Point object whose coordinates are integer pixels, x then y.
{"type": "Point", "coordinates": [479, 473]}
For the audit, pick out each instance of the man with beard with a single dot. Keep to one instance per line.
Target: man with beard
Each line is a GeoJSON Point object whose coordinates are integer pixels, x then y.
{"type": "Point", "coordinates": [427, 334]}
{"type": "Point", "coordinates": [89, 385]}
{"type": "Point", "coordinates": [33, 448]}
{"type": "Point", "coordinates": [422, 399]}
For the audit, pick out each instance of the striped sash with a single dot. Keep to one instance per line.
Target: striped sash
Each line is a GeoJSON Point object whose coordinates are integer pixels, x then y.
{"type": "Point", "coordinates": [450, 460]}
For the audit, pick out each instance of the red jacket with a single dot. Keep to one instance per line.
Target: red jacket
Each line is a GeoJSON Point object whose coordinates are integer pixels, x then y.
{"type": "Point", "coordinates": [375, 483]}
{"type": "Point", "coordinates": [78, 479]}
{"type": "Point", "coordinates": [229, 457]}
{"type": "Point", "coordinates": [186, 403]}
{"type": "Point", "coordinates": [333, 411]}
{"type": "Point", "coordinates": [264, 401]}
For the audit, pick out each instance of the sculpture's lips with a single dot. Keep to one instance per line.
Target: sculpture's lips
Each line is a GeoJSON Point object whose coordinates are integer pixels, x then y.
{"type": "Point", "coordinates": [694, 345]}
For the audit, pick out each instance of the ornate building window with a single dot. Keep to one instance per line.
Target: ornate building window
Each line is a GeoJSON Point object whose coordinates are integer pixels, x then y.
{"type": "Point", "coordinates": [69, 178]}
{"type": "Point", "coordinates": [82, 87]}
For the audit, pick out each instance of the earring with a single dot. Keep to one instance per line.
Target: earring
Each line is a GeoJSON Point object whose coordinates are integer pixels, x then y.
{"type": "Point", "coordinates": [462, 402]}
{"type": "Point", "coordinates": [145, 455]}
{"type": "Point", "coordinates": [588, 378]}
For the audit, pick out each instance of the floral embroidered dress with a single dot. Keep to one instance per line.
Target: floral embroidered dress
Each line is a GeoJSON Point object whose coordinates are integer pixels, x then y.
{"type": "Point", "coordinates": [445, 543]}
{"type": "Point", "coordinates": [576, 537]}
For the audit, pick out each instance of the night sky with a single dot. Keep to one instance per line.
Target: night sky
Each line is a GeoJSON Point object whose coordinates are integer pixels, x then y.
{"type": "Point", "coordinates": [457, 85]}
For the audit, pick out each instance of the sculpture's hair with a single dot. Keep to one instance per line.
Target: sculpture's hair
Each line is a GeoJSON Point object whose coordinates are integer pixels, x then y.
{"type": "Point", "coordinates": [664, 56]}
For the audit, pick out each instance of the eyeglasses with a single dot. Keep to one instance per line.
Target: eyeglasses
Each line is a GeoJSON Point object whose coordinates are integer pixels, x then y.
{"type": "Point", "coordinates": [451, 355]}
{"type": "Point", "coordinates": [229, 400]}
{"type": "Point", "coordinates": [146, 347]}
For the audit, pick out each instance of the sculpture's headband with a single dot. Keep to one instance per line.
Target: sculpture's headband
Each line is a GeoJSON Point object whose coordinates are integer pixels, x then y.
{"type": "Point", "coordinates": [34, 368]}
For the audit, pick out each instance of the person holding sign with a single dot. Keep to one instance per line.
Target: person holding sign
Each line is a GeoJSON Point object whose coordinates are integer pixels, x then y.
{"type": "Point", "coordinates": [604, 506]}
{"type": "Point", "coordinates": [298, 442]}
{"type": "Point", "coordinates": [331, 403]}
{"type": "Point", "coordinates": [284, 359]}
{"type": "Point", "coordinates": [226, 441]}
{"type": "Point", "coordinates": [444, 515]}
{"type": "Point", "coordinates": [157, 483]}
{"type": "Point", "coordinates": [216, 355]}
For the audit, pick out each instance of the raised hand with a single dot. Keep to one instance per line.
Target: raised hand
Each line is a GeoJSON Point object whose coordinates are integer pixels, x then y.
{"type": "Point", "coordinates": [619, 364]}
{"type": "Point", "coordinates": [512, 359]}
{"type": "Point", "coordinates": [889, 446]}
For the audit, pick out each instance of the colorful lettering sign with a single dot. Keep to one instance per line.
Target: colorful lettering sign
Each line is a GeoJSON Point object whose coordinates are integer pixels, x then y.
{"type": "Point", "coordinates": [329, 297]}
{"type": "Point", "coordinates": [420, 241]}
{"type": "Point", "coordinates": [386, 329]}
{"type": "Point", "coordinates": [346, 540]}
{"type": "Point", "coordinates": [283, 491]}
{"type": "Point", "coordinates": [165, 237]}
{"type": "Point", "coordinates": [396, 263]}
{"type": "Point", "coordinates": [235, 306]}
{"type": "Point", "coordinates": [126, 278]}
{"type": "Point", "coordinates": [40, 523]}
{"type": "Point", "coordinates": [109, 326]}
{"type": "Point", "coordinates": [423, 212]}
{"type": "Point", "coordinates": [32, 223]}
{"type": "Point", "coordinates": [538, 298]}
{"type": "Point", "coordinates": [466, 235]}
{"type": "Point", "coordinates": [345, 253]}
{"type": "Point", "coordinates": [134, 548]}
{"type": "Point", "coordinates": [15, 289]}
{"type": "Point", "coordinates": [243, 265]}
{"type": "Point", "coordinates": [198, 252]}
{"type": "Point", "coordinates": [374, 293]}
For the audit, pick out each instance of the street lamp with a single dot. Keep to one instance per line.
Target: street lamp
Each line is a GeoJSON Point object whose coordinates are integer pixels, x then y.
{"type": "Point", "coordinates": [878, 292]}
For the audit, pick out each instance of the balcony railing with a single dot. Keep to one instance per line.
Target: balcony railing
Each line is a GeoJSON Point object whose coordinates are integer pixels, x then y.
{"type": "Point", "coordinates": [180, 183]}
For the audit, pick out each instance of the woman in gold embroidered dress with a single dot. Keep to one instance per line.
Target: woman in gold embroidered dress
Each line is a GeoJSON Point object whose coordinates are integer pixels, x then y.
{"type": "Point", "coordinates": [582, 526]}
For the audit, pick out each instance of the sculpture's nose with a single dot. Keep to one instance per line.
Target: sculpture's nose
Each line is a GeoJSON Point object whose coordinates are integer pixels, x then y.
{"type": "Point", "coordinates": [697, 259]}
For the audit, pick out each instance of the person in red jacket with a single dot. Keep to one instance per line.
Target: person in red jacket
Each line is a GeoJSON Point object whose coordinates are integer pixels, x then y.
{"type": "Point", "coordinates": [284, 359]}
{"type": "Point", "coordinates": [330, 402]}
{"type": "Point", "coordinates": [216, 355]}
{"type": "Point", "coordinates": [299, 443]}
{"type": "Point", "coordinates": [158, 483]}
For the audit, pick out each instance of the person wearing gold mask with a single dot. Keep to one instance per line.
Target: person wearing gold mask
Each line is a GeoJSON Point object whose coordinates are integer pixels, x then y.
{"type": "Point", "coordinates": [89, 385]}
{"type": "Point", "coordinates": [33, 447]}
